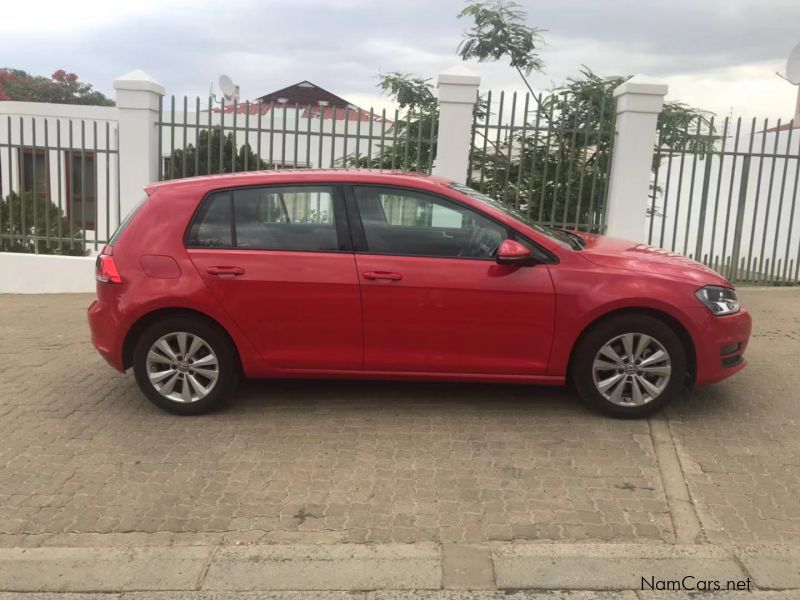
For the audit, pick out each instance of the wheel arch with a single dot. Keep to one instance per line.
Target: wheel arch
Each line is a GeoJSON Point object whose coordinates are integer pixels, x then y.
{"type": "Point", "coordinates": [144, 321]}
{"type": "Point", "coordinates": [669, 320]}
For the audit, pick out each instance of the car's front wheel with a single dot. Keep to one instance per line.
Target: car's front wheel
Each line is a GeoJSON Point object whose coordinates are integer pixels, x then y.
{"type": "Point", "coordinates": [185, 365]}
{"type": "Point", "coordinates": [629, 365]}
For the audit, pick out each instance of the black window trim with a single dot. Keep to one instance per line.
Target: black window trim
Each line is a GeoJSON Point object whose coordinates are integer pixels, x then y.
{"type": "Point", "coordinates": [359, 237]}
{"type": "Point", "coordinates": [340, 218]}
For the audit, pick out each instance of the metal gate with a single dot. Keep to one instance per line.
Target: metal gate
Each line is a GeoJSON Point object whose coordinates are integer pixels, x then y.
{"type": "Point", "coordinates": [217, 137]}
{"type": "Point", "coordinates": [546, 155]}
{"type": "Point", "coordinates": [59, 184]}
{"type": "Point", "coordinates": [728, 198]}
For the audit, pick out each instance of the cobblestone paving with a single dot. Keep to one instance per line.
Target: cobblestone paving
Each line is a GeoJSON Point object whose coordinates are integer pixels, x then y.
{"type": "Point", "coordinates": [81, 451]}
{"type": "Point", "coordinates": [739, 441]}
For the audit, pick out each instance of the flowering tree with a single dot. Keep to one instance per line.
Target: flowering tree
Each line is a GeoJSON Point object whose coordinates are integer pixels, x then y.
{"type": "Point", "coordinates": [61, 88]}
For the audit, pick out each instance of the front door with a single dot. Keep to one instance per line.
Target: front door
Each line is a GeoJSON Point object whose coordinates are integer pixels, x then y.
{"type": "Point", "coordinates": [434, 298]}
{"type": "Point", "coordinates": [279, 261]}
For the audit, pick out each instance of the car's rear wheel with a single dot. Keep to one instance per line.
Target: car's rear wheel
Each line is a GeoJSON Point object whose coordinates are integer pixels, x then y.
{"type": "Point", "coordinates": [185, 365]}
{"type": "Point", "coordinates": [629, 365]}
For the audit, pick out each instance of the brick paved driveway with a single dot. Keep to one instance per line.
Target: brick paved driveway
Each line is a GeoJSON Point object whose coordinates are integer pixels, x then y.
{"type": "Point", "coordinates": [81, 451]}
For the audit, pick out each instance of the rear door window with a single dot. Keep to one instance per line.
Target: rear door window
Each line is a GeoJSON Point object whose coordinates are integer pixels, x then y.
{"type": "Point", "coordinates": [213, 227]}
{"type": "Point", "coordinates": [285, 218]}
{"type": "Point", "coordinates": [295, 218]}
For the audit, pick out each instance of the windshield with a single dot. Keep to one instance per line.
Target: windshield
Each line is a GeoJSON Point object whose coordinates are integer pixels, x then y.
{"type": "Point", "coordinates": [565, 238]}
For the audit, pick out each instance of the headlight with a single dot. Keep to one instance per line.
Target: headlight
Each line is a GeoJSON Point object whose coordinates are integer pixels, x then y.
{"type": "Point", "coordinates": [719, 300]}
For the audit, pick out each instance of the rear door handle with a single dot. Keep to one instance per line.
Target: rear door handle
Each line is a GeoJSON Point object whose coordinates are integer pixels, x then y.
{"type": "Point", "coordinates": [225, 271]}
{"type": "Point", "coordinates": [372, 275]}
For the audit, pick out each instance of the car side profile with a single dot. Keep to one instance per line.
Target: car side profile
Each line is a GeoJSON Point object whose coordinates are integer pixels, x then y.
{"type": "Point", "coordinates": [383, 275]}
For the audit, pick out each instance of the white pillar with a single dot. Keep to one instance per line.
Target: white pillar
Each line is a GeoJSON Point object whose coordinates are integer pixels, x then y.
{"type": "Point", "coordinates": [137, 100]}
{"type": "Point", "coordinates": [458, 93]}
{"type": "Point", "coordinates": [639, 102]}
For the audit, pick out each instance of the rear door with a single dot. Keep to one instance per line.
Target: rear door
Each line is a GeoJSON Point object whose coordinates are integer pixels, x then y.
{"type": "Point", "coordinates": [280, 261]}
{"type": "Point", "coordinates": [435, 300]}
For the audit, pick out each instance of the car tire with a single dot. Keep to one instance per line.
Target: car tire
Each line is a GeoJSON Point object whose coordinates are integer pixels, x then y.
{"type": "Point", "coordinates": [185, 365]}
{"type": "Point", "coordinates": [615, 387]}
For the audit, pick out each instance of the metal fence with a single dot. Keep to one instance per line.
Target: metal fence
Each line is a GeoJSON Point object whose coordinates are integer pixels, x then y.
{"type": "Point", "coordinates": [727, 196]}
{"type": "Point", "coordinates": [215, 137]}
{"type": "Point", "coordinates": [546, 155]}
{"type": "Point", "coordinates": [59, 184]}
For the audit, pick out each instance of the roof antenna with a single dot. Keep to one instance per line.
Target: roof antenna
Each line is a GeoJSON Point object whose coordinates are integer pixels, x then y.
{"type": "Point", "coordinates": [793, 77]}
{"type": "Point", "coordinates": [229, 90]}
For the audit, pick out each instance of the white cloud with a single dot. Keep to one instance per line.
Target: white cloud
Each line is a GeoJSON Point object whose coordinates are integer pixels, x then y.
{"type": "Point", "coordinates": [715, 54]}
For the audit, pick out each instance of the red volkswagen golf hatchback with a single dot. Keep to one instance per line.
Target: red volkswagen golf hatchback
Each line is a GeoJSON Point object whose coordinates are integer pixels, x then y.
{"type": "Point", "coordinates": [397, 276]}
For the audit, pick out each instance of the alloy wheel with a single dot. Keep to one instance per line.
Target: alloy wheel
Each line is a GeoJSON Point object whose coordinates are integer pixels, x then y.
{"type": "Point", "coordinates": [182, 367]}
{"type": "Point", "coordinates": [631, 369]}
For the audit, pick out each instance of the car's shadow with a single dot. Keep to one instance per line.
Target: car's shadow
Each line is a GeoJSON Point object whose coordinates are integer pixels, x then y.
{"type": "Point", "coordinates": [261, 396]}
{"type": "Point", "coordinates": [528, 401]}
{"type": "Point", "coordinates": [254, 395]}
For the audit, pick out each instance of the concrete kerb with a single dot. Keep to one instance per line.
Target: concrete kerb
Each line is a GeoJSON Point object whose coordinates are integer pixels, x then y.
{"type": "Point", "coordinates": [367, 567]}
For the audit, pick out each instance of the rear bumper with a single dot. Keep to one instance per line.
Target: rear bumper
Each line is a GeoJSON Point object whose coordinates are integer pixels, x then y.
{"type": "Point", "coordinates": [720, 343]}
{"type": "Point", "coordinates": [104, 325]}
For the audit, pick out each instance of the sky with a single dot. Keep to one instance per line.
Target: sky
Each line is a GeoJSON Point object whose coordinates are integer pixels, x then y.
{"type": "Point", "coordinates": [718, 55]}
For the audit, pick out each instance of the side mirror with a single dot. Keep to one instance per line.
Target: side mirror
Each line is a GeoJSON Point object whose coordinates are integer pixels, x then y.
{"type": "Point", "coordinates": [513, 253]}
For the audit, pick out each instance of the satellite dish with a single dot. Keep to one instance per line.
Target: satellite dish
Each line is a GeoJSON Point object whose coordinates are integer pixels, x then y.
{"type": "Point", "coordinates": [793, 66]}
{"type": "Point", "coordinates": [229, 90]}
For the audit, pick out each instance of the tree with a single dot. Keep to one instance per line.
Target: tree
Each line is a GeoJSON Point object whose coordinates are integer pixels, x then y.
{"type": "Point", "coordinates": [408, 143]}
{"type": "Point", "coordinates": [182, 164]}
{"type": "Point", "coordinates": [61, 88]}
{"type": "Point", "coordinates": [557, 170]}
{"type": "Point", "coordinates": [580, 113]}
{"type": "Point", "coordinates": [499, 31]}
{"type": "Point", "coordinates": [569, 172]}
{"type": "Point", "coordinates": [22, 221]}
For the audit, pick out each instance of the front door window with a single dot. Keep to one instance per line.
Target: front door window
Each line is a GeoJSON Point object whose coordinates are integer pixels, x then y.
{"type": "Point", "coordinates": [411, 223]}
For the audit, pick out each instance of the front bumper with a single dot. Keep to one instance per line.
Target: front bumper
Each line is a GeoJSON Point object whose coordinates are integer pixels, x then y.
{"type": "Point", "coordinates": [720, 343]}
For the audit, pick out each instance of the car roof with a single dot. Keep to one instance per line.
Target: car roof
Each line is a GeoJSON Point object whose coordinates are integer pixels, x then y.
{"type": "Point", "coordinates": [298, 176]}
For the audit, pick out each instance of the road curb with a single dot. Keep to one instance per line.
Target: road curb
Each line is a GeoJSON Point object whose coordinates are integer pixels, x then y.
{"type": "Point", "coordinates": [392, 567]}
{"type": "Point", "coordinates": [610, 566]}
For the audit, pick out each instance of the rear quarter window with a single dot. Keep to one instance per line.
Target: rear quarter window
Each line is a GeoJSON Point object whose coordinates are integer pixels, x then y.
{"type": "Point", "coordinates": [126, 221]}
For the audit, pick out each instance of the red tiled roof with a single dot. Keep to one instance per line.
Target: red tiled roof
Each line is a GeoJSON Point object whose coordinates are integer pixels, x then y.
{"type": "Point", "coordinates": [784, 127]}
{"type": "Point", "coordinates": [308, 97]}
{"type": "Point", "coordinates": [305, 93]}
{"type": "Point", "coordinates": [328, 112]}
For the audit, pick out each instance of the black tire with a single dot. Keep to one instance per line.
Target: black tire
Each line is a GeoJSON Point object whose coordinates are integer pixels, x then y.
{"type": "Point", "coordinates": [220, 344]}
{"type": "Point", "coordinates": [605, 331]}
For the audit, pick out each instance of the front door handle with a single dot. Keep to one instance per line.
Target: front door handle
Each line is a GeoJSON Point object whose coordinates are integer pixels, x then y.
{"type": "Point", "coordinates": [225, 271]}
{"type": "Point", "coordinates": [373, 275]}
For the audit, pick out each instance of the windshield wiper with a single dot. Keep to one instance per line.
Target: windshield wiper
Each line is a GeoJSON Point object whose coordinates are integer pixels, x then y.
{"type": "Point", "coordinates": [573, 239]}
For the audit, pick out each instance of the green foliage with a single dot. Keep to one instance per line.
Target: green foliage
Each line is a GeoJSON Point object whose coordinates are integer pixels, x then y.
{"type": "Point", "coordinates": [409, 92]}
{"type": "Point", "coordinates": [555, 168]}
{"type": "Point", "coordinates": [42, 219]}
{"type": "Point", "coordinates": [407, 144]}
{"type": "Point", "coordinates": [560, 175]}
{"type": "Point", "coordinates": [246, 159]}
{"type": "Point", "coordinates": [60, 88]}
{"type": "Point", "coordinates": [499, 31]}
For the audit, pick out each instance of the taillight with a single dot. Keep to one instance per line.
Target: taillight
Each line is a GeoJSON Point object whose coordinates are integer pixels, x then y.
{"type": "Point", "coordinates": [105, 269]}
